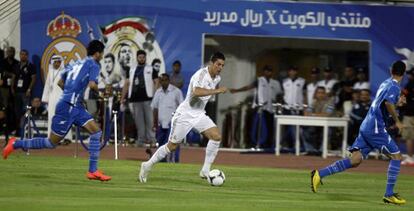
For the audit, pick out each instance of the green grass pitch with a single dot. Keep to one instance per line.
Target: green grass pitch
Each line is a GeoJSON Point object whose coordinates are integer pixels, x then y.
{"type": "Point", "coordinates": [59, 183]}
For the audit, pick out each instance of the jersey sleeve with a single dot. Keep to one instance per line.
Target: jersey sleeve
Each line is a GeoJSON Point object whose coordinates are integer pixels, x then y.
{"type": "Point", "coordinates": [94, 73]}
{"type": "Point", "coordinates": [393, 94]}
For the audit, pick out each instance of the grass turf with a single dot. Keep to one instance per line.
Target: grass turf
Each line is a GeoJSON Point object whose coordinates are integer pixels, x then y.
{"type": "Point", "coordinates": [59, 183]}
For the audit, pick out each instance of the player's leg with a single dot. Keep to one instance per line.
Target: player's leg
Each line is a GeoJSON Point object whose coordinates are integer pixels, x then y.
{"type": "Point", "coordinates": [359, 149]}
{"type": "Point", "coordinates": [180, 126]}
{"type": "Point", "coordinates": [94, 151]}
{"type": "Point", "coordinates": [392, 174]}
{"type": "Point", "coordinates": [207, 127]}
{"type": "Point", "coordinates": [85, 120]}
{"type": "Point", "coordinates": [60, 126]}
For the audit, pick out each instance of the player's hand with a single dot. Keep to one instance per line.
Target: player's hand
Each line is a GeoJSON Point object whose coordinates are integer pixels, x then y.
{"type": "Point", "coordinates": [400, 126]}
{"type": "Point", "coordinates": [222, 90]}
{"type": "Point", "coordinates": [402, 100]}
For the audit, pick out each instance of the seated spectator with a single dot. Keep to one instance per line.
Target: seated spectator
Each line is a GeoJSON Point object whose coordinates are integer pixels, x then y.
{"type": "Point", "coordinates": [322, 106]}
{"type": "Point", "coordinates": [38, 111]}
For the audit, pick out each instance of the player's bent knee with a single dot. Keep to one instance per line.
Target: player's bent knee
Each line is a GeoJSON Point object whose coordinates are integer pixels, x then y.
{"type": "Point", "coordinates": [356, 159]}
{"type": "Point", "coordinates": [172, 146]}
{"type": "Point", "coordinates": [215, 137]}
{"type": "Point", "coordinates": [396, 156]}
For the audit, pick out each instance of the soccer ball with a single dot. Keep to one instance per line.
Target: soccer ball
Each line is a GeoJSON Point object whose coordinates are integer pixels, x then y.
{"type": "Point", "coordinates": [216, 177]}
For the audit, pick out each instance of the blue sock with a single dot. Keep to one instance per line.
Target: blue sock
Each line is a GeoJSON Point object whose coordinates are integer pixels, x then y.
{"type": "Point", "coordinates": [94, 148]}
{"type": "Point", "coordinates": [338, 166]}
{"type": "Point", "coordinates": [393, 171]}
{"type": "Point", "coordinates": [34, 143]}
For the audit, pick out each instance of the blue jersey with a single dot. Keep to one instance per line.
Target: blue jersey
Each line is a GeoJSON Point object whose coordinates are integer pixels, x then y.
{"type": "Point", "coordinates": [377, 118]}
{"type": "Point", "coordinates": [77, 77]}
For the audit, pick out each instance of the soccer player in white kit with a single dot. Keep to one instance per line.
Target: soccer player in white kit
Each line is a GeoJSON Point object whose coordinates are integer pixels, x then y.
{"type": "Point", "coordinates": [191, 114]}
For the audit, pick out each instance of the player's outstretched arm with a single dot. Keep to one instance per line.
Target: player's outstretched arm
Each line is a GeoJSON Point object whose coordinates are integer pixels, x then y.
{"type": "Point", "coordinates": [201, 92]}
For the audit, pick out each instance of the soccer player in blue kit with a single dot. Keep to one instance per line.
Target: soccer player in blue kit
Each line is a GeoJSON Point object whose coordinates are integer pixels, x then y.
{"type": "Point", "coordinates": [69, 110]}
{"type": "Point", "coordinates": [373, 135]}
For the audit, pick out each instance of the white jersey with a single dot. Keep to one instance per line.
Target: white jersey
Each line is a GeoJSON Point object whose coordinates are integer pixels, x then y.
{"type": "Point", "coordinates": [195, 106]}
{"type": "Point", "coordinates": [328, 84]}
{"type": "Point", "coordinates": [293, 90]}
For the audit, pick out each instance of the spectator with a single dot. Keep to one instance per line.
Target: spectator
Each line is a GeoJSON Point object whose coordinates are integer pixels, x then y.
{"type": "Point", "coordinates": [176, 77]}
{"type": "Point", "coordinates": [311, 86]}
{"type": "Point", "coordinates": [329, 81]}
{"type": "Point", "coordinates": [3, 123]}
{"type": "Point", "coordinates": [349, 75]}
{"type": "Point", "coordinates": [139, 88]}
{"type": "Point", "coordinates": [266, 93]}
{"type": "Point", "coordinates": [52, 91]}
{"type": "Point", "coordinates": [321, 106]}
{"type": "Point", "coordinates": [408, 119]}
{"type": "Point", "coordinates": [9, 67]}
{"type": "Point", "coordinates": [293, 87]}
{"type": "Point", "coordinates": [345, 95]}
{"type": "Point", "coordinates": [165, 102]}
{"type": "Point", "coordinates": [294, 92]}
{"type": "Point", "coordinates": [38, 111]}
{"type": "Point", "coordinates": [362, 82]}
{"type": "Point", "coordinates": [358, 113]}
{"type": "Point", "coordinates": [23, 85]}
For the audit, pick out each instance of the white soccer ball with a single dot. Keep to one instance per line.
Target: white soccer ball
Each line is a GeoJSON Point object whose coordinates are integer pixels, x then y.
{"type": "Point", "coordinates": [216, 177]}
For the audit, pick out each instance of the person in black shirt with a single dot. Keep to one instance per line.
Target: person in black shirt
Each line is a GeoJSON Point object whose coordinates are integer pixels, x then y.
{"type": "Point", "coordinates": [23, 84]}
{"type": "Point", "coordinates": [140, 85]}
{"type": "Point", "coordinates": [9, 66]}
{"type": "Point", "coordinates": [408, 119]}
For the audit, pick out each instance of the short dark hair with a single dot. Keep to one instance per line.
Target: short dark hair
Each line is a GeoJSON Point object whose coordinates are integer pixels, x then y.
{"type": "Point", "coordinates": [365, 90]}
{"type": "Point", "coordinates": [165, 75]}
{"type": "Point", "coordinates": [177, 62]}
{"type": "Point", "coordinates": [110, 55]}
{"type": "Point", "coordinates": [398, 68]}
{"type": "Point", "coordinates": [95, 46]}
{"type": "Point", "coordinates": [141, 52]}
{"type": "Point", "coordinates": [156, 60]}
{"type": "Point", "coordinates": [267, 68]}
{"type": "Point", "coordinates": [321, 88]}
{"type": "Point", "coordinates": [24, 51]}
{"type": "Point", "coordinates": [217, 55]}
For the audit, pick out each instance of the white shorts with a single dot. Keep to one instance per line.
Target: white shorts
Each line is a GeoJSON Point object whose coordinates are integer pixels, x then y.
{"type": "Point", "coordinates": [182, 123]}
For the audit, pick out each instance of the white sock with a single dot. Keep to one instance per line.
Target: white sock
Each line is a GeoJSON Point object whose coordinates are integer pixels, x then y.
{"type": "Point", "coordinates": [160, 154]}
{"type": "Point", "coordinates": [211, 152]}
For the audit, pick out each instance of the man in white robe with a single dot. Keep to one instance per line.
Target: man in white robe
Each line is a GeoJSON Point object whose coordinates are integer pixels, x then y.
{"type": "Point", "coordinates": [52, 92]}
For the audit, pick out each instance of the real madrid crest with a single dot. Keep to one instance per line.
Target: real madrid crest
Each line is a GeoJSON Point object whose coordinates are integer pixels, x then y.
{"type": "Point", "coordinates": [63, 30]}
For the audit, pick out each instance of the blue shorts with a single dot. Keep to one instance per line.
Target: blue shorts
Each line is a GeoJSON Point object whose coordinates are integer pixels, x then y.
{"type": "Point", "coordinates": [68, 114]}
{"type": "Point", "coordinates": [366, 142]}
